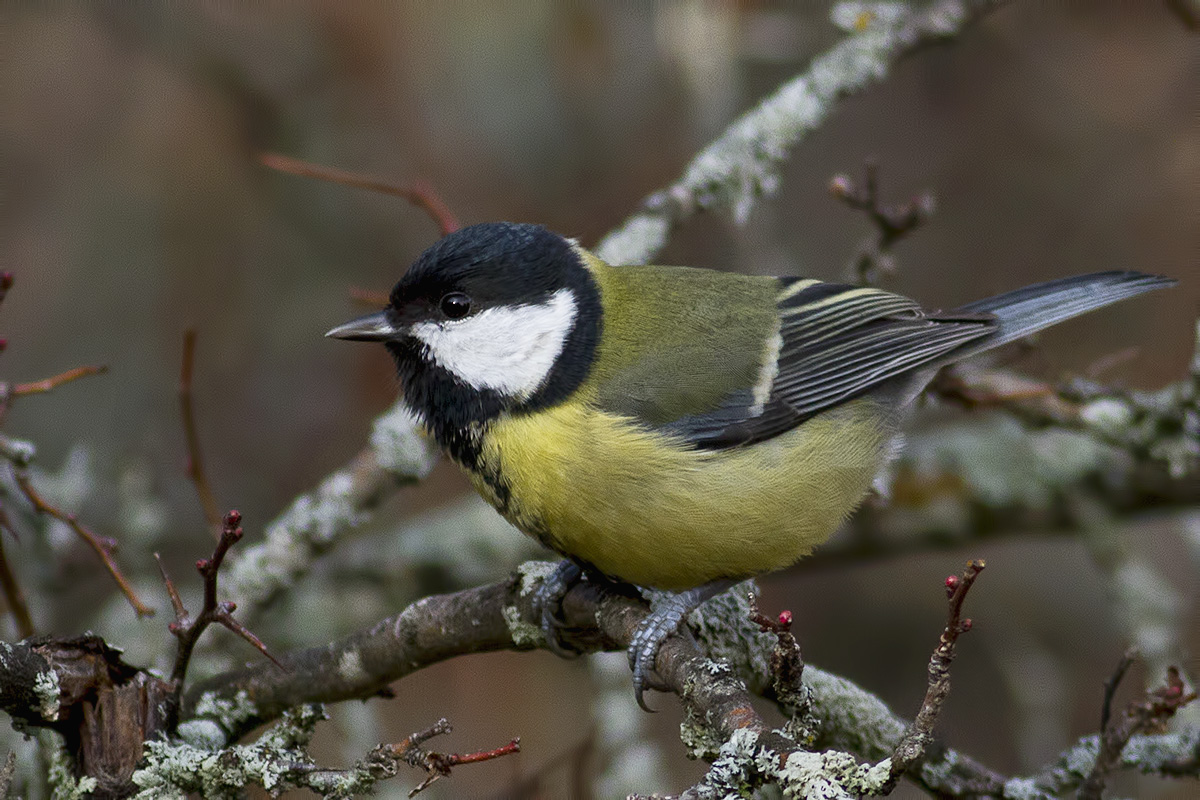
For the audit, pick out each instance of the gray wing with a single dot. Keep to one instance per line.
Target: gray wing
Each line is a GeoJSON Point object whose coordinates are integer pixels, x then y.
{"type": "Point", "coordinates": [834, 343]}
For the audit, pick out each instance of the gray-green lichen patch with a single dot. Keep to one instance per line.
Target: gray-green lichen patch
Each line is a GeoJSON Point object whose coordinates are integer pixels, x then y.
{"type": "Point", "coordinates": [723, 625]}
{"type": "Point", "coordinates": [830, 775]}
{"type": "Point", "coordinates": [48, 691]}
{"type": "Point", "coordinates": [59, 774]}
{"type": "Point", "coordinates": [275, 762]}
{"type": "Point", "coordinates": [533, 573]}
{"type": "Point", "coordinates": [524, 634]}
{"type": "Point", "coordinates": [864, 723]}
{"type": "Point", "coordinates": [350, 666]}
{"type": "Point", "coordinates": [214, 716]}
{"type": "Point", "coordinates": [401, 444]}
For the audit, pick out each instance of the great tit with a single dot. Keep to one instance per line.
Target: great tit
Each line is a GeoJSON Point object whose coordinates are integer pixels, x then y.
{"type": "Point", "coordinates": [672, 427]}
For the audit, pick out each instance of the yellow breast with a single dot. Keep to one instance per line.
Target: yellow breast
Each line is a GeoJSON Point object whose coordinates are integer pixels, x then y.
{"type": "Point", "coordinates": [640, 507]}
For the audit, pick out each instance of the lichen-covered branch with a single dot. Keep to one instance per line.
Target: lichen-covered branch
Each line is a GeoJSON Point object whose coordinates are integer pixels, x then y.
{"type": "Point", "coordinates": [398, 454]}
{"type": "Point", "coordinates": [844, 721]}
{"type": "Point", "coordinates": [279, 760]}
{"type": "Point", "coordinates": [743, 162]}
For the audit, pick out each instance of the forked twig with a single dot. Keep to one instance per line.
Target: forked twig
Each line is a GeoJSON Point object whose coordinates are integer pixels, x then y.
{"type": "Point", "coordinates": [188, 629]}
{"type": "Point", "coordinates": [438, 765]}
{"type": "Point", "coordinates": [1147, 715]}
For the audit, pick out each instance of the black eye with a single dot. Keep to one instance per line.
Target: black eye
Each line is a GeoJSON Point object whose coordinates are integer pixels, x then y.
{"type": "Point", "coordinates": [455, 305]}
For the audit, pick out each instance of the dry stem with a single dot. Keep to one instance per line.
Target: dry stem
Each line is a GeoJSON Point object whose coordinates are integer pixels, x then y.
{"type": "Point", "coordinates": [101, 547]}
{"type": "Point", "coordinates": [418, 193]}
{"type": "Point", "coordinates": [195, 462]}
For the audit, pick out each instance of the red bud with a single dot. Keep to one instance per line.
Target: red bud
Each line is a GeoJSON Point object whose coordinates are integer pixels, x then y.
{"type": "Point", "coordinates": [785, 619]}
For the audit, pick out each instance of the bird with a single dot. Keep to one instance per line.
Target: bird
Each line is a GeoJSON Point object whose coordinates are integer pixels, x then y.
{"type": "Point", "coordinates": [670, 427]}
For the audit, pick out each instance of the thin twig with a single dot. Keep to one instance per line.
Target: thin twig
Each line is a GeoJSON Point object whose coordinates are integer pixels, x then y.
{"type": "Point", "coordinates": [53, 382]}
{"type": "Point", "coordinates": [195, 462]}
{"type": "Point", "coordinates": [873, 260]}
{"type": "Point", "coordinates": [787, 663]}
{"type": "Point", "coordinates": [101, 547]}
{"type": "Point", "coordinates": [1114, 680]}
{"type": "Point", "coordinates": [417, 193]}
{"type": "Point", "coordinates": [911, 747]}
{"type": "Point", "coordinates": [438, 765]}
{"type": "Point", "coordinates": [188, 629]}
{"type": "Point", "coordinates": [176, 600]}
{"type": "Point", "coordinates": [13, 596]}
{"type": "Point", "coordinates": [1148, 715]}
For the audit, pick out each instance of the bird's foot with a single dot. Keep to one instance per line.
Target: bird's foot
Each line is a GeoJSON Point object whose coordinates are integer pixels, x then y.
{"type": "Point", "coordinates": [547, 599]}
{"type": "Point", "coordinates": [664, 620]}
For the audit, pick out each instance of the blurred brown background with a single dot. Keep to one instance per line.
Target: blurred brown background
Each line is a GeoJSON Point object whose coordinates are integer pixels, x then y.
{"type": "Point", "coordinates": [1058, 138]}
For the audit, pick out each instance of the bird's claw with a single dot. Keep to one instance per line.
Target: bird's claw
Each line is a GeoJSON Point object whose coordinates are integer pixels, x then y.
{"type": "Point", "coordinates": [547, 600]}
{"type": "Point", "coordinates": [649, 637]}
{"type": "Point", "coordinates": [665, 618]}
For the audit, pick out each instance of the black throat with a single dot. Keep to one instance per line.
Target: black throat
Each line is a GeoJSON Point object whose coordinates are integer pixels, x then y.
{"type": "Point", "coordinates": [457, 413]}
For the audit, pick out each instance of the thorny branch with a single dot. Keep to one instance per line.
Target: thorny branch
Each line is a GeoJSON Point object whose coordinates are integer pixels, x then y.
{"type": "Point", "coordinates": [195, 461]}
{"type": "Point", "coordinates": [187, 629]}
{"type": "Point", "coordinates": [419, 193]}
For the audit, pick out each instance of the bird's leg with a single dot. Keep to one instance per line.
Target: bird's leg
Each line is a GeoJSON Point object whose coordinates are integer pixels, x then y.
{"type": "Point", "coordinates": [664, 620]}
{"type": "Point", "coordinates": [547, 599]}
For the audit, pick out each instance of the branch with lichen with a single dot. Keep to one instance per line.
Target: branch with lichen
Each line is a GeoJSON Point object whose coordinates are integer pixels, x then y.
{"type": "Point", "coordinates": [842, 723]}
{"type": "Point", "coordinates": [743, 163]}
{"type": "Point", "coordinates": [279, 761]}
{"type": "Point", "coordinates": [841, 720]}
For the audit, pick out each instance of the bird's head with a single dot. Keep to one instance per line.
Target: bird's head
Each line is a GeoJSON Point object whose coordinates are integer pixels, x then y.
{"type": "Point", "coordinates": [494, 317]}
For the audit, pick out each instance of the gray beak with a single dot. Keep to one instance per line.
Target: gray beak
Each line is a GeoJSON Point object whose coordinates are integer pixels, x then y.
{"type": "Point", "coordinates": [371, 328]}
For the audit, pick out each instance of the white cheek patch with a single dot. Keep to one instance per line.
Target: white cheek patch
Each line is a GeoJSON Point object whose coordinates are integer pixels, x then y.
{"type": "Point", "coordinates": [509, 349]}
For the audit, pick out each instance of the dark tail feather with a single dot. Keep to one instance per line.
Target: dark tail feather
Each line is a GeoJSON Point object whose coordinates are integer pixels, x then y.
{"type": "Point", "coordinates": [1028, 310]}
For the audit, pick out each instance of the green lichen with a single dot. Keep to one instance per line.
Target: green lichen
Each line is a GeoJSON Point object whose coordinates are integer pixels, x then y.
{"type": "Point", "coordinates": [60, 774]}
{"type": "Point", "coordinates": [830, 775]}
{"type": "Point", "coordinates": [48, 691]}
{"type": "Point", "coordinates": [277, 761]}
{"type": "Point", "coordinates": [533, 574]}
{"type": "Point", "coordinates": [524, 634]}
{"type": "Point", "coordinates": [226, 712]}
